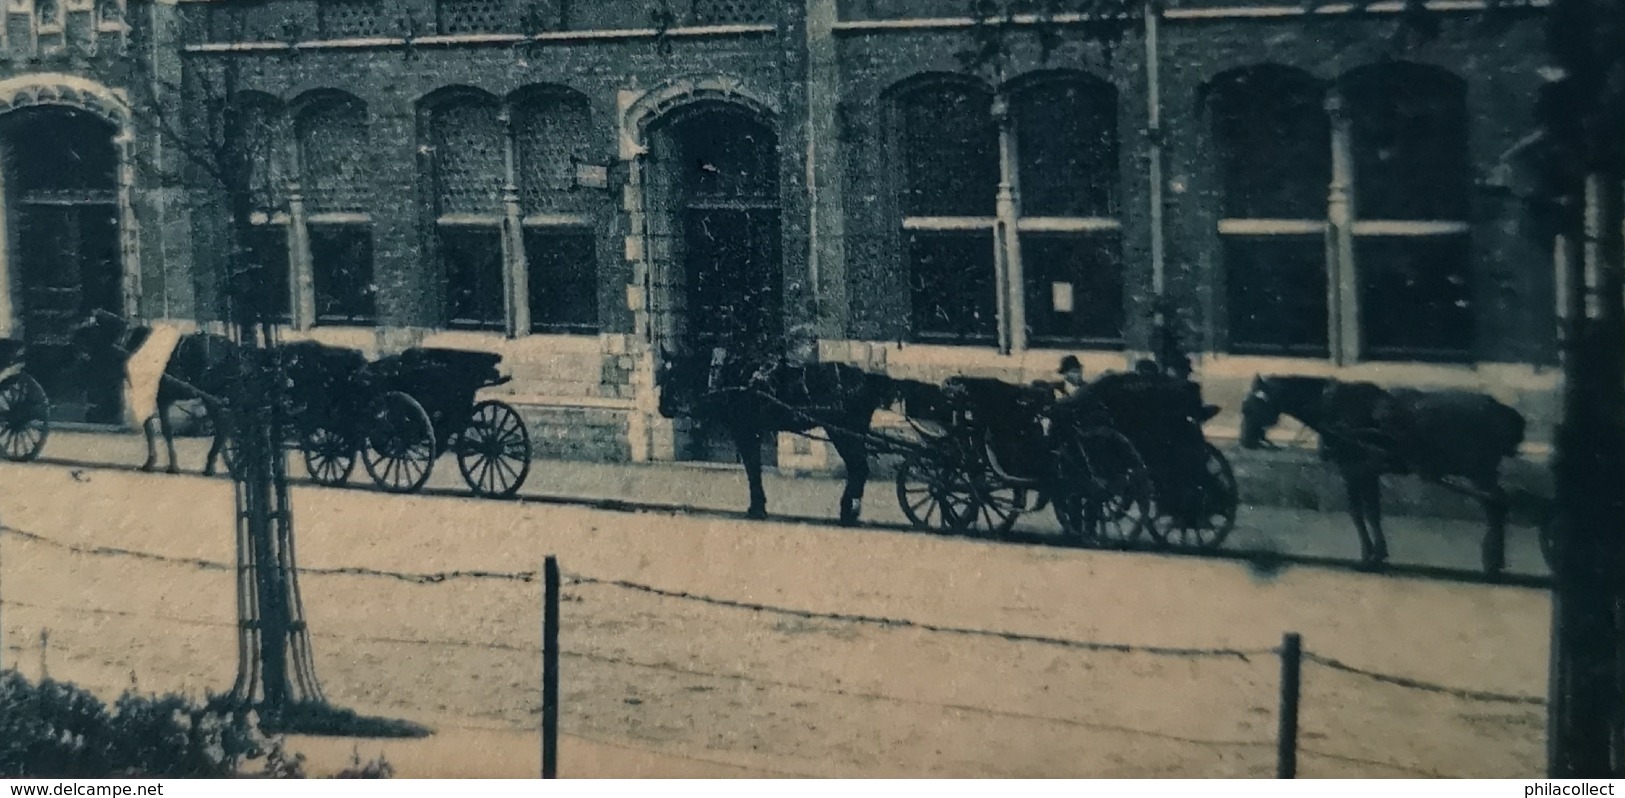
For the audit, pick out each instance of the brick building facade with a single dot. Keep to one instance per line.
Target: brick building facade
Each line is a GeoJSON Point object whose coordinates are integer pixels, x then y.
{"type": "Point", "coordinates": [581, 185]}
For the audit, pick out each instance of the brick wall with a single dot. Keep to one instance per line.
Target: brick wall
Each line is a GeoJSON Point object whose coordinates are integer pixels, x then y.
{"type": "Point", "coordinates": [581, 393]}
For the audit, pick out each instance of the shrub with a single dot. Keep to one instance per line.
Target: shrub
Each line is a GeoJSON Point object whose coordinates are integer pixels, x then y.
{"type": "Point", "coordinates": [59, 730]}
{"type": "Point", "coordinates": [55, 729]}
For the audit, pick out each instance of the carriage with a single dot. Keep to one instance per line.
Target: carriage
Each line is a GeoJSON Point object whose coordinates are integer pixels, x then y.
{"type": "Point", "coordinates": [1195, 497]}
{"type": "Point", "coordinates": [994, 451]}
{"type": "Point", "coordinates": [25, 411]}
{"type": "Point", "coordinates": [425, 404]}
{"type": "Point", "coordinates": [1127, 456]}
{"type": "Point", "coordinates": [398, 415]}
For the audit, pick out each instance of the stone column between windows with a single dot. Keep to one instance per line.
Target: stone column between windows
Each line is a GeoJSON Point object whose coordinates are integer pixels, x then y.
{"type": "Point", "coordinates": [8, 262]}
{"type": "Point", "coordinates": [516, 282]}
{"type": "Point", "coordinates": [1342, 284]}
{"type": "Point", "coordinates": [302, 286]}
{"type": "Point", "coordinates": [827, 255]}
{"type": "Point", "coordinates": [128, 232]}
{"type": "Point", "coordinates": [302, 281]}
{"type": "Point", "coordinates": [1012, 296]}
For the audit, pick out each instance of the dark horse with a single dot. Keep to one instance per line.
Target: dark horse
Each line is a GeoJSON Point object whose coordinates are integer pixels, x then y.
{"type": "Point", "coordinates": [1444, 437]}
{"type": "Point", "coordinates": [750, 400]}
{"type": "Point", "coordinates": [202, 366]}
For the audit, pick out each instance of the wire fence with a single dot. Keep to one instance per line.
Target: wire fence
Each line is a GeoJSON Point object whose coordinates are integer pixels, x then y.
{"type": "Point", "coordinates": [750, 685]}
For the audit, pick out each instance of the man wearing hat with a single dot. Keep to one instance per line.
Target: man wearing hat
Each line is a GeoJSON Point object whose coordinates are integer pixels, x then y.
{"type": "Point", "coordinates": [1071, 372]}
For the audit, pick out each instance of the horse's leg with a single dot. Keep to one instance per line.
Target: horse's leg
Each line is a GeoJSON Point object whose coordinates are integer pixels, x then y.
{"type": "Point", "coordinates": [1494, 499]}
{"type": "Point", "coordinates": [749, 443]}
{"type": "Point", "coordinates": [152, 445]}
{"type": "Point", "coordinates": [1372, 490]}
{"type": "Point", "coordinates": [1352, 484]}
{"type": "Point", "coordinates": [168, 429]}
{"type": "Point", "coordinates": [855, 453]}
{"type": "Point", "coordinates": [218, 444]}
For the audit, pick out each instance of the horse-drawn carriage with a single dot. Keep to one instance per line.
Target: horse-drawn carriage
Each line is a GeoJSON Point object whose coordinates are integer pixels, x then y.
{"type": "Point", "coordinates": [426, 404]}
{"type": "Point", "coordinates": [25, 411]}
{"type": "Point", "coordinates": [992, 451]}
{"type": "Point", "coordinates": [1124, 456]}
{"type": "Point", "coordinates": [398, 415]}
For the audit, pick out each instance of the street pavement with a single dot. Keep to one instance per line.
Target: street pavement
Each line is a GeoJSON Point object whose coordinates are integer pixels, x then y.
{"type": "Point", "coordinates": [701, 643]}
{"type": "Point", "coordinates": [1432, 544]}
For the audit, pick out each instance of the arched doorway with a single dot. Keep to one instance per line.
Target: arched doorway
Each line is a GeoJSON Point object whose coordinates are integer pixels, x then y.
{"type": "Point", "coordinates": [62, 249]}
{"type": "Point", "coordinates": [715, 209]}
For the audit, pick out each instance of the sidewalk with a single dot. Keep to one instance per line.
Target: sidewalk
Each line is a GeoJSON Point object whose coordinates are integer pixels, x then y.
{"type": "Point", "coordinates": [1292, 504]}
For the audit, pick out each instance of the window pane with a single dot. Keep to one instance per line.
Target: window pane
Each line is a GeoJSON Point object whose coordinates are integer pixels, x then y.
{"type": "Point", "coordinates": [949, 152]}
{"type": "Point", "coordinates": [471, 260]}
{"type": "Point", "coordinates": [1415, 298]}
{"type": "Point", "coordinates": [267, 247]}
{"type": "Point", "coordinates": [1409, 128]}
{"type": "Point", "coordinates": [341, 266]}
{"type": "Point", "coordinates": [335, 155]}
{"type": "Point", "coordinates": [951, 280]}
{"type": "Point", "coordinates": [563, 266]}
{"type": "Point", "coordinates": [468, 155]}
{"type": "Point", "coordinates": [1278, 294]}
{"type": "Point", "coordinates": [1274, 144]}
{"type": "Point", "coordinates": [551, 128]}
{"type": "Point", "coordinates": [1066, 136]}
{"type": "Point", "coordinates": [1074, 287]}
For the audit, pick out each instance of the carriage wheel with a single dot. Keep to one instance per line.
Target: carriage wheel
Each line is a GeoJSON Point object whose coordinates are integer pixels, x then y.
{"type": "Point", "coordinates": [25, 418]}
{"type": "Point", "coordinates": [1105, 491]}
{"type": "Point", "coordinates": [329, 455]}
{"type": "Point", "coordinates": [493, 452]}
{"type": "Point", "coordinates": [933, 493]}
{"type": "Point", "coordinates": [998, 504]}
{"type": "Point", "coordinates": [399, 448]}
{"type": "Point", "coordinates": [1218, 497]}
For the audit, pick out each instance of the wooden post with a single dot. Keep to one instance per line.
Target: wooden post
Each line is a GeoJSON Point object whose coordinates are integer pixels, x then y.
{"type": "Point", "coordinates": [550, 668]}
{"type": "Point", "coordinates": [1286, 758]}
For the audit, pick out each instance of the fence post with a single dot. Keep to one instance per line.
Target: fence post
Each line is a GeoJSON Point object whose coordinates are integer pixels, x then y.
{"type": "Point", "coordinates": [550, 668]}
{"type": "Point", "coordinates": [1286, 757]}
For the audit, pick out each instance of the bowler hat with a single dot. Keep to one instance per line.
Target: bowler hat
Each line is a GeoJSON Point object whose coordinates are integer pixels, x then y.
{"type": "Point", "coordinates": [1070, 363]}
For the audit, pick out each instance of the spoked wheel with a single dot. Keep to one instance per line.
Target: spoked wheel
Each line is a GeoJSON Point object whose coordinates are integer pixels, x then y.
{"type": "Point", "coordinates": [399, 447]}
{"type": "Point", "coordinates": [1210, 521]}
{"type": "Point", "coordinates": [934, 494]}
{"type": "Point", "coordinates": [997, 505]}
{"type": "Point", "coordinates": [329, 455]}
{"type": "Point", "coordinates": [493, 451]}
{"type": "Point", "coordinates": [25, 418]}
{"type": "Point", "coordinates": [1104, 495]}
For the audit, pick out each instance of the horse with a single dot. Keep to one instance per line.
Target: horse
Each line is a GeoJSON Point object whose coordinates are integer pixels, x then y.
{"type": "Point", "coordinates": [200, 366]}
{"type": "Point", "coordinates": [1444, 437]}
{"type": "Point", "coordinates": [752, 399]}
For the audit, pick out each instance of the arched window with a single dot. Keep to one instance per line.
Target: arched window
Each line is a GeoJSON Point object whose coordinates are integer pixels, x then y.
{"type": "Point", "coordinates": [1411, 177]}
{"type": "Point", "coordinates": [1273, 143]}
{"type": "Point", "coordinates": [551, 138]}
{"type": "Point", "coordinates": [1071, 252]}
{"type": "Point", "coordinates": [948, 148]}
{"type": "Point", "coordinates": [334, 154]}
{"type": "Point", "coordinates": [465, 144]}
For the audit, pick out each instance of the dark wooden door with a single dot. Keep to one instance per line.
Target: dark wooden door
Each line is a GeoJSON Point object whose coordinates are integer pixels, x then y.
{"type": "Point", "coordinates": [733, 283]}
{"type": "Point", "coordinates": [68, 261]}
{"type": "Point", "coordinates": [65, 258]}
{"type": "Point", "coordinates": [726, 176]}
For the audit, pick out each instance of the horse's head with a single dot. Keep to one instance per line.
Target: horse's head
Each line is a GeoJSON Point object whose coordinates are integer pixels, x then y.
{"type": "Point", "coordinates": [101, 334]}
{"type": "Point", "coordinates": [1259, 412]}
{"type": "Point", "coordinates": [681, 379]}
